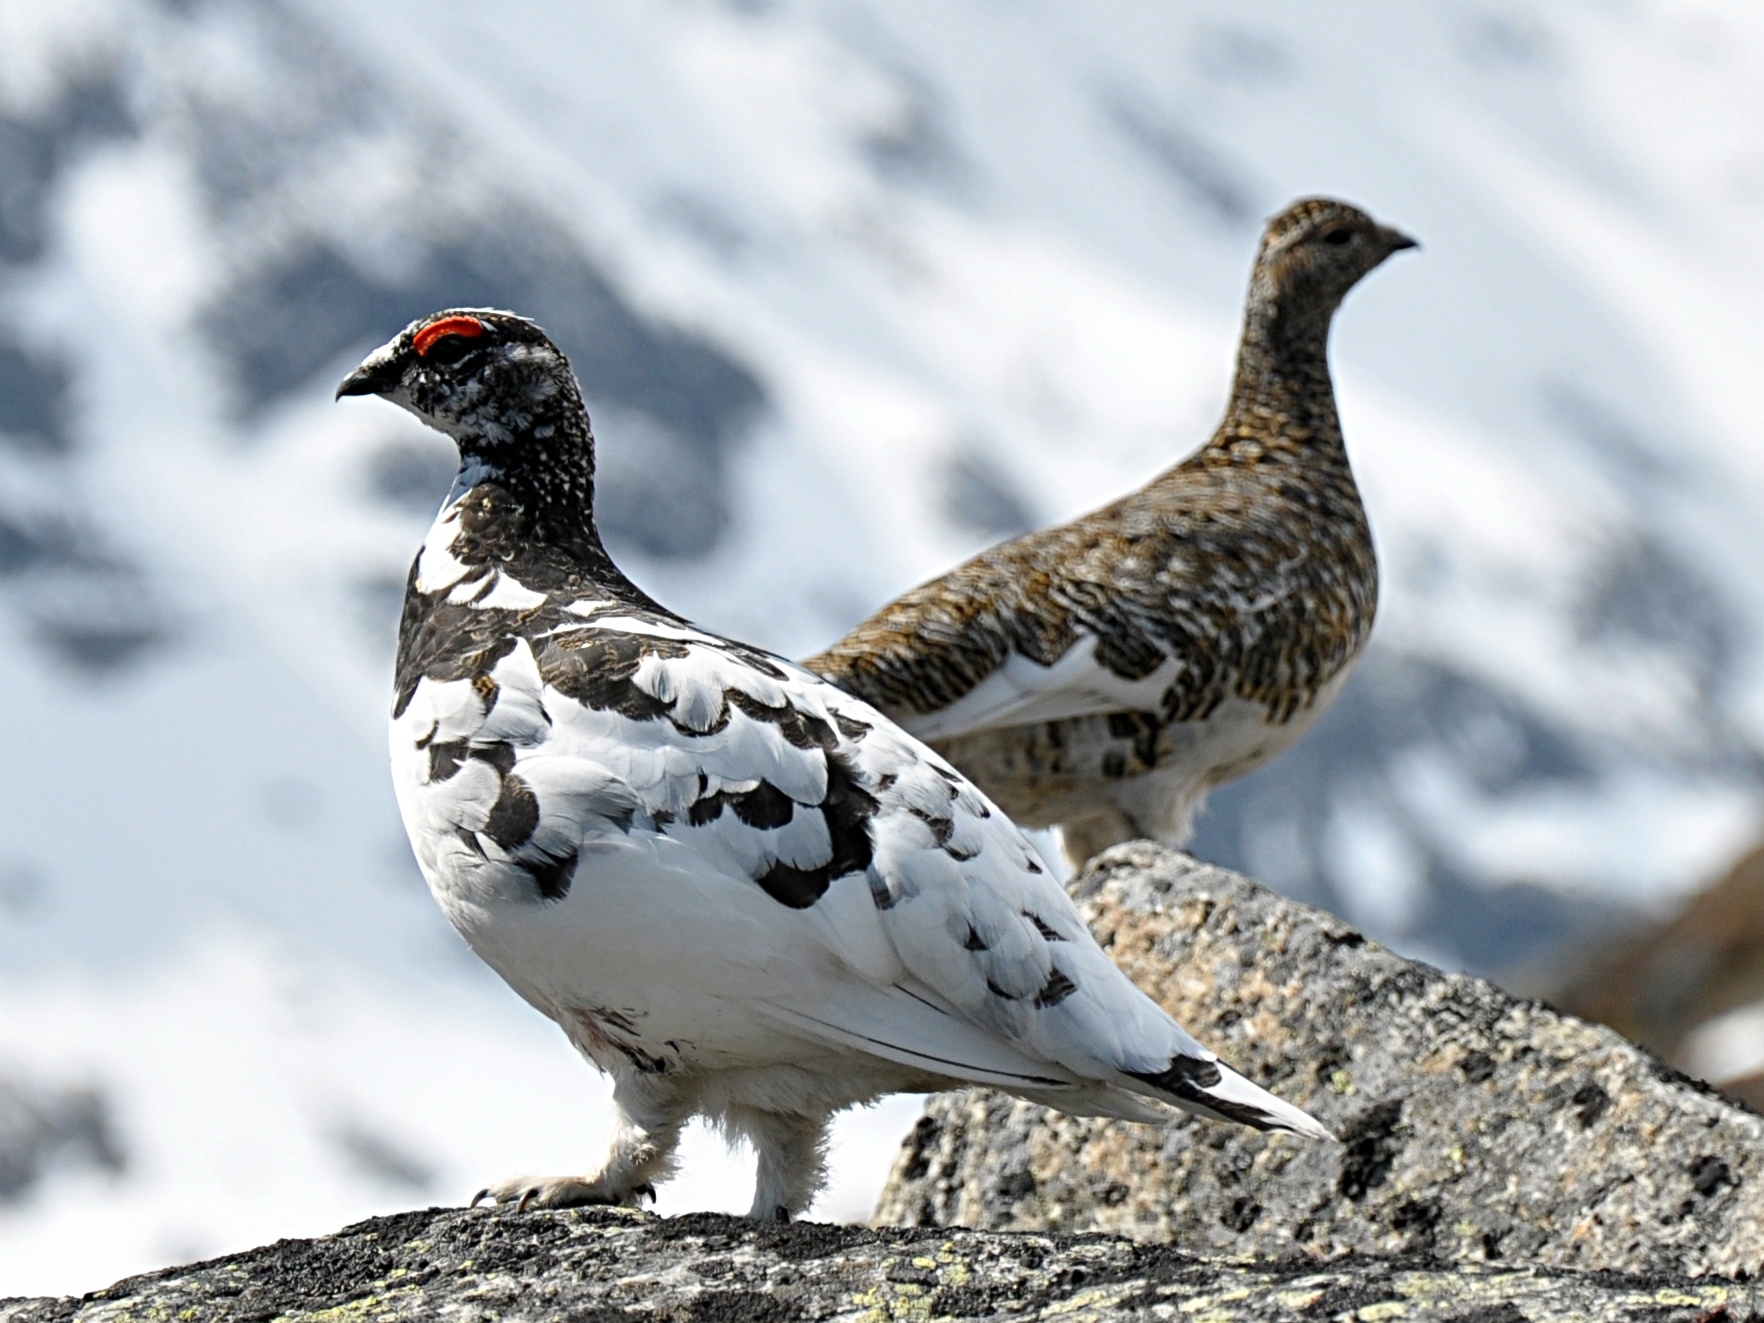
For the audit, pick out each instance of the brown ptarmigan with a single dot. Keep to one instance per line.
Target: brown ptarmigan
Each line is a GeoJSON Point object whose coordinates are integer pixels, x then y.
{"type": "Point", "coordinates": [1104, 675]}
{"type": "Point", "coordinates": [740, 891]}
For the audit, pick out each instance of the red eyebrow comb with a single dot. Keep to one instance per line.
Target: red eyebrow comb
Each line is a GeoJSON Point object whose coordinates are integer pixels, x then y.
{"type": "Point", "coordinates": [469, 327]}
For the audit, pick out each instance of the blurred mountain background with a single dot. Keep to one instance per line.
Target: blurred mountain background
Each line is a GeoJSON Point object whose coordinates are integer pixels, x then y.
{"type": "Point", "coordinates": [854, 289]}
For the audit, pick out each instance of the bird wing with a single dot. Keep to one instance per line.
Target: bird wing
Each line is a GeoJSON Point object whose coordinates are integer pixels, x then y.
{"type": "Point", "coordinates": [1151, 604]}
{"type": "Point", "coordinates": [1022, 692]}
{"type": "Point", "coordinates": [992, 938]}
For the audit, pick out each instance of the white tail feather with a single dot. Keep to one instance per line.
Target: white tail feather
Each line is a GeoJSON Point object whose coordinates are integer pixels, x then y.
{"type": "Point", "coordinates": [1234, 1089]}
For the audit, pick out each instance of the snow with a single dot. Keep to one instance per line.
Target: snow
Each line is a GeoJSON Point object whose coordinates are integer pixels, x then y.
{"type": "Point", "coordinates": [932, 228]}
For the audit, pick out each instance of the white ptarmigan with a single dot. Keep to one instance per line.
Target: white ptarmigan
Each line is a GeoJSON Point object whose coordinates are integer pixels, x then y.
{"type": "Point", "coordinates": [1104, 675]}
{"type": "Point", "coordinates": [740, 891]}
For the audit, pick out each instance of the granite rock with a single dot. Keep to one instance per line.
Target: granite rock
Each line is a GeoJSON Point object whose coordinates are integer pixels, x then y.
{"type": "Point", "coordinates": [598, 1265]}
{"type": "Point", "coordinates": [1475, 1127]}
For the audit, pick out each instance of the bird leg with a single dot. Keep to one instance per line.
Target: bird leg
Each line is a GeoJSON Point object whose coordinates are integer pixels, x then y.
{"type": "Point", "coordinates": [647, 1125]}
{"type": "Point", "coordinates": [792, 1151]}
{"type": "Point", "coordinates": [1083, 838]}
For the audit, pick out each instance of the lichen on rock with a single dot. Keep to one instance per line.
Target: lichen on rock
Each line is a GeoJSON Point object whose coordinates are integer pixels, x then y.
{"type": "Point", "coordinates": [598, 1265]}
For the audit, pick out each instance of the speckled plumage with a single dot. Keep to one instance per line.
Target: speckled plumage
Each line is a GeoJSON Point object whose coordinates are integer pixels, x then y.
{"type": "Point", "coordinates": [1103, 675]}
{"type": "Point", "coordinates": [740, 891]}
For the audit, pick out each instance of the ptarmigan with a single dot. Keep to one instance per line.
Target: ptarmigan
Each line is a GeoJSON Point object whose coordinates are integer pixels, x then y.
{"type": "Point", "coordinates": [740, 891]}
{"type": "Point", "coordinates": [1102, 676]}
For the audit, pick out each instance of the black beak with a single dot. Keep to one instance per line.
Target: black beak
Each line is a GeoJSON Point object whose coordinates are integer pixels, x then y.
{"type": "Point", "coordinates": [1396, 240]}
{"type": "Point", "coordinates": [370, 378]}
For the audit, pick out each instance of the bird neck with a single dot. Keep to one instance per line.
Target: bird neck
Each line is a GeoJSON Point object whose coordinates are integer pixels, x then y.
{"type": "Point", "coordinates": [1283, 370]}
{"type": "Point", "coordinates": [528, 496]}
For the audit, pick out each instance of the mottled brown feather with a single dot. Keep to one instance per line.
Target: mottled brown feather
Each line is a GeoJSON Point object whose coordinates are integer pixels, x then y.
{"type": "Point", "coordinates": [1250, 561]}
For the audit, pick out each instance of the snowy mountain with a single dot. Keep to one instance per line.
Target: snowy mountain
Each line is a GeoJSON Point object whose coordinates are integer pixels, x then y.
{"type": "Point", "coordinates": [854, 289]}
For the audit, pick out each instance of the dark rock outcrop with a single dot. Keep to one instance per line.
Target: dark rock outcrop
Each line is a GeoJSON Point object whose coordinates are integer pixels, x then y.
{"type": "Point", "coordinates": [1475, 1127]}
{"type": "Point", "coordinates": [598, 1265]}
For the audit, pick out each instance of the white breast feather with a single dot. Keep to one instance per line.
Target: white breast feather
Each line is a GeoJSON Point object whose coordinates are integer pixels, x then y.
{"type": "Point", "coordinates": [506, 594]}
{"type": "Point", "coordinates": [437, 566]}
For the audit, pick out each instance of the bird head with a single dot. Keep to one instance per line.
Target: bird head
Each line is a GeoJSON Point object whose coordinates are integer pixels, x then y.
{"type": "Point", "coordinates": [1316, 250]}
{"type": "Point", "coordinates": [492, 381]}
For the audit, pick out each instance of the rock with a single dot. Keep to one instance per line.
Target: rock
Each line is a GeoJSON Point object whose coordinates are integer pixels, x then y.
{"type": "Point", "coordinates": [598, 1265]}
{"type": "Point", "coordinates": [1493, 1152]}
{"type": "Point", "coordinates": [1475, 1128]}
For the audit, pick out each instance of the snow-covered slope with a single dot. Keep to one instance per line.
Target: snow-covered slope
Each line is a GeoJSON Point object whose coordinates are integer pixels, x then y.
{"type": "Point", "coordinates": [854, 289]}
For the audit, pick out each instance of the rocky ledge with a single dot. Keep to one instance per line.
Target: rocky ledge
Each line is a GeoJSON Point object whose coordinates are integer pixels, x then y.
{"type": "Point", "coordinates": [1500, 1163]}
{"type": "Point", "coordinates": [598, 1265]}
{"type": "Point", "coordinates": [1475, 1128]}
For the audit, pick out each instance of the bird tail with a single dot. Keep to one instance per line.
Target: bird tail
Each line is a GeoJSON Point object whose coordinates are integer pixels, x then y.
{"type": "Point", "coordinates": [1207, 1087]}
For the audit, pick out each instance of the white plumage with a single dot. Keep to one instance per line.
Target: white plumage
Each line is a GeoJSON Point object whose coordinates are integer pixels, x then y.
{"type": "Point", "coordinates": [739, 890]}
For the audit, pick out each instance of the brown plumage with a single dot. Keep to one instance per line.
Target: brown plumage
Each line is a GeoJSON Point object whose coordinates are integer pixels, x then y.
{"type": "Point", "coordinates": [1102, 676]}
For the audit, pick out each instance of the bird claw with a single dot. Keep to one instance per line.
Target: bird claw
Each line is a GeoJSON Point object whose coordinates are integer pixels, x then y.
{"type": "Point", "coordinates": [526, 1192]}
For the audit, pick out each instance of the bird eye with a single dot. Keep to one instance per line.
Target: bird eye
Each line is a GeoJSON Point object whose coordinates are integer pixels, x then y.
{"type": "Point", "coordinates": [1337, 237]}
{"type": "Point", "coordinates": [448, 350]}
